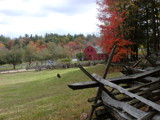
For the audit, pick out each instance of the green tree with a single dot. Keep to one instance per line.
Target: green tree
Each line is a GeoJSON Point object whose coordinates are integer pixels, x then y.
{"type": "Point", "coordinates": [14, 57]}
{"type": "Point", "coordinates": [4, 39]}
{"type": "Point", "coordinates": [80, 56]}
{"type": "Point", "coordinates": [30, 54]}
{"type": "Point", "coordinates": [42, 55]}
{"type": "Point", "coordinates": [2, 56]}
{"type": "Point", "coordinates": [60, 52]}
{"type": "Point", "coordinates": [51, 49]}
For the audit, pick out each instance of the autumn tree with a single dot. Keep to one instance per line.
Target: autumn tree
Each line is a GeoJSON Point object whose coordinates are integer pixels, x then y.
{"type": "Point", "coordinates": [111, 29]}
{"type": "Point", "coordinates": [140, 24]}
{"type": "Point", "coordinates": [10, 44]}
{"type": "Point", "coordinates": [71, 47]}
{"type": "Point", "coordinates": [2, 46]}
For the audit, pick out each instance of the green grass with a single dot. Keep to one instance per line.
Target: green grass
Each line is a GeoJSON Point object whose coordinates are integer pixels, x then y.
{"type": "Point", "coordinates": [42, 96]}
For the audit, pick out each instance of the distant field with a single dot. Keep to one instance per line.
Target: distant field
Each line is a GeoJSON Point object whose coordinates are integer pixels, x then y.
{"type": "Point", "coordinates": [43, 96]}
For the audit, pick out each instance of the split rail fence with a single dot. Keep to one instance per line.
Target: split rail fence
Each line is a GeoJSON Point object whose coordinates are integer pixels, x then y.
{"type": "Point", "coordinates": [134, 96]}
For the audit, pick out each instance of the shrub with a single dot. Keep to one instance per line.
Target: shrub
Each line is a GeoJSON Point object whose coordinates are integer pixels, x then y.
{"type": "Point", "coordinates": [65, 60]}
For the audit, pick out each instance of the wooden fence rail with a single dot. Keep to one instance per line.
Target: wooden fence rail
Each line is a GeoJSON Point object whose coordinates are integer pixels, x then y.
{"type": "Point", "coordinates": [134, 100]}
{"type": "Point", "coordinates": [138, 100]}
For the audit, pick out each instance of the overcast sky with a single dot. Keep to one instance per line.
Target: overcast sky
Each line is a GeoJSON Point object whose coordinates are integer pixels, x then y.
{"type": "Point", "coordinates": [19, 17]}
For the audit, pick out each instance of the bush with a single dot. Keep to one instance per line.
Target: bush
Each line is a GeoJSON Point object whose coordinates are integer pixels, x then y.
{"type": "Point", "coordinates": [65, 60]}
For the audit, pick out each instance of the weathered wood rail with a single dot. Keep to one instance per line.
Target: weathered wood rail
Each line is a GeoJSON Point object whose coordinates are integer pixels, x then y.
{"type": "Point", "coordinates": [136, 98]}
{"type": "Point", "coordinates": [132, 97]}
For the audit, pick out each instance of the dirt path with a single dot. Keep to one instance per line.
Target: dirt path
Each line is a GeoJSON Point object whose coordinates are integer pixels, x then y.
{"type": "Point", "coordinates": [16, 71]}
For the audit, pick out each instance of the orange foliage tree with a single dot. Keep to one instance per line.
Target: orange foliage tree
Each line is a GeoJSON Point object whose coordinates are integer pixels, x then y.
{"type": "Point", "coordinates": [2, 45]}
{"type": "Point", "coordinates": [111, 29]}
{"type": "Point", "coordinates": [37, 45]}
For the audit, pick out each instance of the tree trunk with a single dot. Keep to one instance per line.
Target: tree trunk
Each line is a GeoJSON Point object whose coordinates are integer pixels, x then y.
{"type": "Point", "coordinates": [14, 66]}
{"type": "Point", "coordinates": [30, 63]}
{"type": "Point", "coordinates": [157, 25]}
{"type": "Point", "coordinates": [147, 25]}
{"type": "Point", "coordinates": [153, 25]}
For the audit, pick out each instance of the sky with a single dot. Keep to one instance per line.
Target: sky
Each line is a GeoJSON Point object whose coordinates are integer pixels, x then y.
{"type": "Point", "coordinates": [19, 17]}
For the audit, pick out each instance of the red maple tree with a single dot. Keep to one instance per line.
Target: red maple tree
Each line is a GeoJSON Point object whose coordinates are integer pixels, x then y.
{"type": "Point", "coordinates": [112, 29]}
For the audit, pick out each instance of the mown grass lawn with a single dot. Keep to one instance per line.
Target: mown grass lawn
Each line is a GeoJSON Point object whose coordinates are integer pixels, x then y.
{"type": "Point", "coordinates": [43, 96]}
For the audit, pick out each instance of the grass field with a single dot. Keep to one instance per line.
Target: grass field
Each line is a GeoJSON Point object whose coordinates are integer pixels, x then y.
{"type": "Point", "coordinates": [43, 96]}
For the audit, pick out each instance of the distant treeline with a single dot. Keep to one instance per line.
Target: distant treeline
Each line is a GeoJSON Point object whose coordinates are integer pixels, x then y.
{"type": "Point", "coordinates": [31, 48]}
{"type": "Point", "coordinates": [23, 41]}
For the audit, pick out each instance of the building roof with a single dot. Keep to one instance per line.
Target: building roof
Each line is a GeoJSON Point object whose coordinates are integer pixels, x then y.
{"type": "Point", "coordinates": [98, 49]}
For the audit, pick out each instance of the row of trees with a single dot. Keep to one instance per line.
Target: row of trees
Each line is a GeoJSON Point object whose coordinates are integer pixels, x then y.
{"type": "Point", "coordinates": [37, 48]}
{"type": "Point", "coordinates": [31, 53]}
{"type": "Point", "coordinates": [132, 23]}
